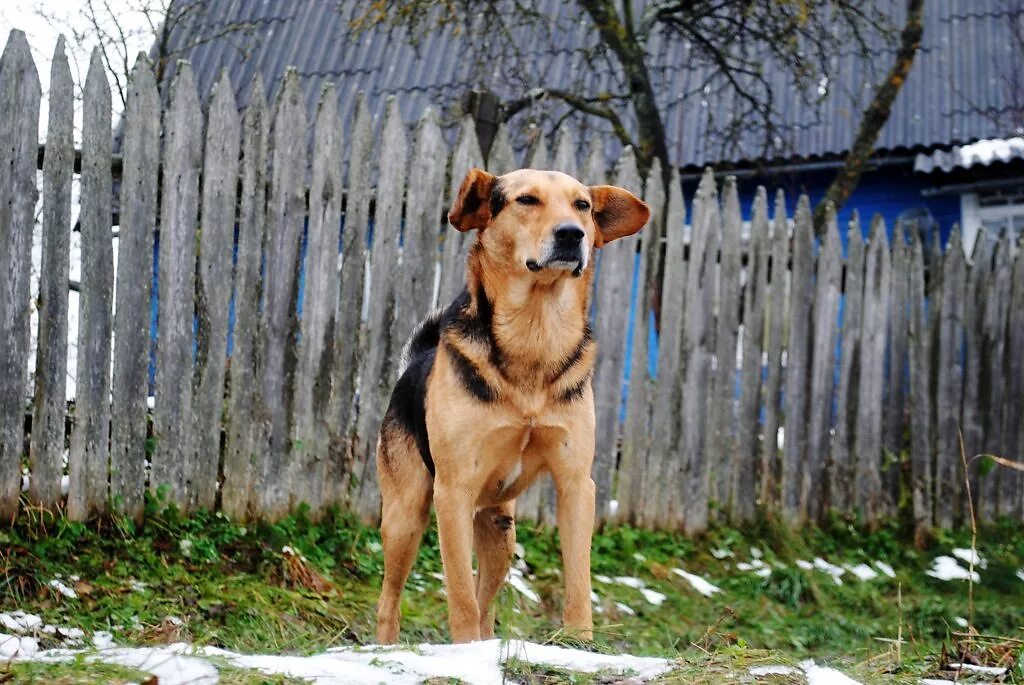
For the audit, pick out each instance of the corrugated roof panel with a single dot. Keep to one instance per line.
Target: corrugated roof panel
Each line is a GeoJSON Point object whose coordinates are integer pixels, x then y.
{"type": "Point", "coordinates": [956, 73]}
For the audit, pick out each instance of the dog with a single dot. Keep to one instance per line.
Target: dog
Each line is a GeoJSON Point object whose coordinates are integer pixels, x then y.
{"type": "Point", "coordinates": [495, 390]}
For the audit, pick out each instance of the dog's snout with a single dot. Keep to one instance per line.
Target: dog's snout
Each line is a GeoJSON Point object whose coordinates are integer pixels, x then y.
{"type": "Point", "coordinates": [568, 235]}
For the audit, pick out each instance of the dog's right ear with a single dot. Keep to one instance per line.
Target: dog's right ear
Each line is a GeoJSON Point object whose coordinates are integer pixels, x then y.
{"type": "Point", "coordinates": [472, 208]}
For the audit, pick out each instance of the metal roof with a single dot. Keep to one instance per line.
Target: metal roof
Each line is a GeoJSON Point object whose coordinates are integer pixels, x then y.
{"type": "Point", "coordinates": [953, 95]}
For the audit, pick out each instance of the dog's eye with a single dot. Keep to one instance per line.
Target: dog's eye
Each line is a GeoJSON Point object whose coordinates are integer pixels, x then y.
{"type": "Point", "coordinates": [582, 205]}
{"type": "Point", "coordinates": [528, 200]}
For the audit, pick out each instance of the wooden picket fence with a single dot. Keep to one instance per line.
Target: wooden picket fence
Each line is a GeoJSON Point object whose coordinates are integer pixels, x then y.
{"type": "Point", "coordinates": [869, 364]}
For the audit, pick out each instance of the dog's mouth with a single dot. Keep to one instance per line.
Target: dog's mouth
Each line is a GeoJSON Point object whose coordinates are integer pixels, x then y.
{"type": "Point", "coordinates": [574, 266]}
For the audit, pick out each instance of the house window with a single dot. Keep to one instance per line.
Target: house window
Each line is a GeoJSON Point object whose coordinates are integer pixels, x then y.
{"type": "Point", "coordinates": [992, 211]}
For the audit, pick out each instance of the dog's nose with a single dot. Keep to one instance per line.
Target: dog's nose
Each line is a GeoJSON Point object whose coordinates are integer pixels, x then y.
{"type": "Point", "coordinates": [568, 235]}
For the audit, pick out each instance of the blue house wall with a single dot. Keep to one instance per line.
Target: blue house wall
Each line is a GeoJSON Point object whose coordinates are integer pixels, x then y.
{"type": "Point", "coordinates": [888, 191]}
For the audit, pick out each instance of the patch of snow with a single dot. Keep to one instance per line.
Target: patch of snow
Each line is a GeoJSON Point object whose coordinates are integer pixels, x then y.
{"type": "Point", "coordinates": [639, 557]}
{"type": "Point", "coordinates": [831, 569]}
{"type": "Point", "coordinates": [630, 581]}
{"type": "Point", "coordinates": [478, 663]}
{"type": "Point", "coordinates": [822, 675]}
{"type": "Point", "coordinates": [174, 620]}
{"type": "Point", "coordinates": [137, 585]}
{"type": "Point", "coordinates": [759, 568]}
{"type": "Point", "coordinates": [603, 579]}
{"type": "Point", "coordinates": [761, 671]}
{"type": "Point", "coordinates": [20, 622]}
{"type": "Point", "coordinates": [652, 596]}
{"type": "Point", "coordinates": [1020, 574]}
{"type": "Point", "coordinates": [13, 646]}
{"type": "Point", "coordinates": [946, 568]}
{"type": "Point", "coordinates": [863, 572]}
{"type": "Point", "coordinates": [980, 670]}
{"type": "Point", "coordinates": [102, 639]}
{"type": "Point", "coordinates": [63, 589]}
{"type": "Point", "coordinates": [71, 635]}
{"type": "Point", "coordinates": [969, 556]}
{"type": "Point", "coordinates": [518, 581]}
{"type": "Point", "coordinates": [721, 553]}
{"type": "Point", "coordinates": [936, 681]}
{"type": "Point", "coordinates": [961, 622]}
{"type": "Point", "coordinates": [804, 565]}
{"type": "Point", "coordinates": [172, 665]}
{"type": "Point", "coordinates": [885, 568]}
{"type": "Point", "coordinates": [613, 507]}
{"type": "Point", "coordinates": [756, 552]}
{"type": "Point", "coordinates": [625, 609]}
{"type": "Point", "coordinates": [24, 482]}
{"type": "Point", "coordinates": [65, 484]}
{"type": "Point", "coordinates": [697, 583]}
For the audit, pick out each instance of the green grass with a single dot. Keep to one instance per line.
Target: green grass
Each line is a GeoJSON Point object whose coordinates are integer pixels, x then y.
{"type": "Point", "coordinates": [209, 581]}
{"type": "Point", "coordinates": [75, 672]}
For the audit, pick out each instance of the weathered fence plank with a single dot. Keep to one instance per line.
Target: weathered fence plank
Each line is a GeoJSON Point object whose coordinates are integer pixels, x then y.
{"type": "Point", "coordinates": [456, 244]}
{"type": "Point", "coordinates": [828, 282]}
{"type": "Point", "coordinates": [312, 390]}
{"type": "Point", "coordinates": [690, 501]}
{"type": "Point", "coordinates": [423, 225]}
{"type": "Point", "coordinates": [663, 464]}
{"type": "Point", "coordinates": [894, 418]}
{"type": "Point", "coordinates": [776, 329]}
{"type": "Point", "coordinates": [875, 313]}
{"type": "Point", "coordinates": [380, 367]}
{"type": "Point", "coordinates": [971, 413]}
{"type": "Point", "coordinates": [636, 432]}
{"type": "Point", "coordinates": [19, 131]}
{"type": "Point", "coordinates": [240, 464]}
{"type": "Point", "coordinates": [950, 384]}
{"type": "Point", "coordinates": [286, 213]}
{"type": "Point", "coordinates": [178, 214]}
{"type": "Point", "coordinates": [564, 159]}
{"type": "Point", "coordinates": [843, 445]}
{"type": "Point", "coordinates": [502, 158]}
{"type": "Point", "coordinates": [140, 153]}
{"type": "Point", "coordinates": [921, 439]}
{"type": "Point", "coordinates": [537, 154]}
{"type": "Point", "coordinates": [997, 301]}
{"type": "Point", "coordinates": [721, 439]}
{"type": "Point", "coordinates": [1013, 481]}
{"type": "Point", "coordinates": [213, 288]}
{"type": "Point", "coordinates": [612, 298]}
{"type": "Point", "coordinates": [50, 403]}
{"type": "Point", "coordinates": [745, 463]}
{"type": "Point", "coordinates": [351, 342]}
{"type": "Point", "coordinates": [90, 446]}
{"type": "Point", "coordinates": [798, 362]}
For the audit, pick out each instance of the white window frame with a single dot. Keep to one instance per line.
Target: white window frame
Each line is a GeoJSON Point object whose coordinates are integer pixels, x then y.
{"type": "Point", "coordinates": [973, 215]}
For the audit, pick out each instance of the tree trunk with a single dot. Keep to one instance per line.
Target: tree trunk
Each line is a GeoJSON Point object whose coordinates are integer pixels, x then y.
{"type": "Point", "coordinates": [875, 116]}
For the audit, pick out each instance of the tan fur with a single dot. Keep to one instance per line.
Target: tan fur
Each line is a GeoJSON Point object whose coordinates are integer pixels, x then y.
{"type": "Point", "coordinates": [487, 453]}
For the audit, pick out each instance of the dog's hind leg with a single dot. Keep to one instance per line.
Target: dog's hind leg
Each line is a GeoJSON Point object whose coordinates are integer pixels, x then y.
{"type": "Point", "coordinates": [405, 486]}
{"type": "Point", "coordinates": [494, 539]}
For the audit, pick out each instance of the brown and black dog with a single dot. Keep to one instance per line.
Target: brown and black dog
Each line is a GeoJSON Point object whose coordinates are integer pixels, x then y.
{"type": "Point", "coordinates": [495, 390]}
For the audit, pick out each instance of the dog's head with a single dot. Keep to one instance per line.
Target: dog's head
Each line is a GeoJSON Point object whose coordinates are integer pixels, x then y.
{"type": "Point", "coordinates": [544, 222]}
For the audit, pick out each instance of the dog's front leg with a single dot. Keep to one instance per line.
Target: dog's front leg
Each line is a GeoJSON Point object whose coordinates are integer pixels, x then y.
{"type": "Point", "coordinates": [454, 508]}
{"type": "Point", "coordinates": [575, 528]}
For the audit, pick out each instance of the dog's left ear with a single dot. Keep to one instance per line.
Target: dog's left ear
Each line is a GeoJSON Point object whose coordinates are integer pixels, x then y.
{"type": "Point", "coordinates": [472, 207]}
{"type": "Point", "coordinates": [617, 212]}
